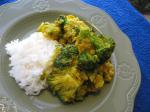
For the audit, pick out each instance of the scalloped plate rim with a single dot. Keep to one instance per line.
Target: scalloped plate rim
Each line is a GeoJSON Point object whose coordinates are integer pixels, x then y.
{"type": "Point", "coordinates": [129, 42]}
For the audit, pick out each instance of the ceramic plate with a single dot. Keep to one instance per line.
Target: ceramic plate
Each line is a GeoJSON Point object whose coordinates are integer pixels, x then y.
{"type": "Point", "coordinates": [19, 19]}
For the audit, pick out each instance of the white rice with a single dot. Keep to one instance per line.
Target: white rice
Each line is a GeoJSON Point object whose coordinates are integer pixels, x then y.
{"type": "Point", "coordinates": [28, 59]}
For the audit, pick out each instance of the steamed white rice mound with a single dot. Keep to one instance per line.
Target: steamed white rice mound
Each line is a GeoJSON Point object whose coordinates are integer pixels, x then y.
{"type": "Point", "coordinates": [28, 59]}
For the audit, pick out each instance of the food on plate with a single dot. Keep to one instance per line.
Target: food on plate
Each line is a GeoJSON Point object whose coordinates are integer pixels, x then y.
{"type": "Point", "coordinates": [28, 59]}
{"type": "Point", "coordinates": [67, 57]}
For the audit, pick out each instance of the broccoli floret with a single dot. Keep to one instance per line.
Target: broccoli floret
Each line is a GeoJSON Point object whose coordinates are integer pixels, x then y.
{"type": "Point", "coordinates": [64, 83]}
{"type": "Point", "coordinates": [61, 20]}
{"type": "Point", "coordinates": [84, 33]}
{"type": "Point", "coordinates": [72, 28]}
{"type": "Point", "coordinates": [81, 93]}
{"type": "Point", "coordinates": [98, 49]}
{"type": "Point", "coordinates": [50, 30]}
{"type": "Point", "coordinates": [65, 58]}
{"type": "Point", "coordinates": [64, 86]}
{"type": "Point", "coordinates": [103, 46]}
{"type": "Point", "coordinates": [86, 61]}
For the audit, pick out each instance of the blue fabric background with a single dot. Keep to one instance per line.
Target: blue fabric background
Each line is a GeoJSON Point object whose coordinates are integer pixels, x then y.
{"type": "Point", "coordinates": [5, 1]}
{"type": "Point", "coordinates": [132, 23]}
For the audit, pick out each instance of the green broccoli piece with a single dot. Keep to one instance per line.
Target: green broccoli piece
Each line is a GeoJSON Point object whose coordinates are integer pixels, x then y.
{"type": "Point", "coordinates": [84, 33]}
{"type": "Point", "coordinates": [65, 58]}
{"type": "Point", "coordinates": [64, 86]}
{"type": "Point", "coordinates": [81, 92]}
{"type": "Point", "coordinates": [50, 30]}
{"type": "Point", "coordinates": [104, 47]}
{"type": "Point", "coordinates": [61, 20]}
{"type": "Point", "coordinates": [86, 61]}
{"type": "Point", "coordinates": [64, 83]}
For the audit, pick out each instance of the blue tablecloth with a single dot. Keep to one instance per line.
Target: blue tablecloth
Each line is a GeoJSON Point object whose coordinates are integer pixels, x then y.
{"type": "Point", "coordinates": [132, 23]}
